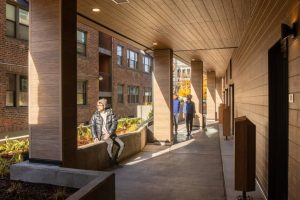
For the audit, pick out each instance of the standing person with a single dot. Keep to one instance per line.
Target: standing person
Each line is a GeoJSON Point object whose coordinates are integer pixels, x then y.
{"type": "Point", "coordinates": [189, 112]}
{"type": "Point", "coordinates": [176, 111]}
{"type": "Point", "coordinates": [104, 124]}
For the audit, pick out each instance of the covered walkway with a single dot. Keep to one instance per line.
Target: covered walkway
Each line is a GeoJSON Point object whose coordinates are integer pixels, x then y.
{"type": "Point", "coordinates": [190, 169]}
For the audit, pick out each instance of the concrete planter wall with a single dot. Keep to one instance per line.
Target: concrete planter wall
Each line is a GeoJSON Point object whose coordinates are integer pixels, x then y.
{"type": "Point", "coordinates": [95, 157]}
{"type": "Point", "coordinates": [97, 188]}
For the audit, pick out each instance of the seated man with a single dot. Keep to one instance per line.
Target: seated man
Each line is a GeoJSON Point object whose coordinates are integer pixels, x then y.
{"type": "Point", "coordinates": [104, 124]}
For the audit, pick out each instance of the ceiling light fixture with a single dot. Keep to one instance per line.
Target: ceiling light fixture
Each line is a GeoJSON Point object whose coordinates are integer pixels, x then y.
{"type": "Point", "coordinates": [120, 1]}
{"type": "Point", "coordinates": [154, 43]}
{"type": "Point", "coordinates": [287, 31]}
{"type": "Point", "coordinates": [96, 10]}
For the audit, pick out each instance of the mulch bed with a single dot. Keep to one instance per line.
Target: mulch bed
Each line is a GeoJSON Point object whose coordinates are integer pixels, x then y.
{"type": "Point", "coordinates": [17, 190]}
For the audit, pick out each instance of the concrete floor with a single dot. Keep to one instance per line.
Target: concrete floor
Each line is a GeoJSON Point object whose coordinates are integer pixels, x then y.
{"type": "Point", "coordinates": [189, 170]}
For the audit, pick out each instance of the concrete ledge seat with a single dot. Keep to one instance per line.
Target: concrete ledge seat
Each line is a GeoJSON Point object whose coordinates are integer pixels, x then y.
{"type": "Point", "coordinates": [94, 156]}
{"type": "Point", "coordinates": [55, 175]}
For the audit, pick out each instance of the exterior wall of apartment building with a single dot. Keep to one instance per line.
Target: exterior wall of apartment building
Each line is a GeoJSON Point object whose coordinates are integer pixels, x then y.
{"type": "Point", "coordinates": [88, 71]}
{"type": "Point", "coordinates": [250, 79]}
{"type": "Point", "coordinates": [13, 60]}
{"type": "Point", "coordinates": [123, 75]}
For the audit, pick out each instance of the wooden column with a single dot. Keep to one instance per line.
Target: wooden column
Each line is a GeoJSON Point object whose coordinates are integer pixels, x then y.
{"type": "Point", "coordinates": [211, 96]}
{"type": "Point", "coordinates": [52, 81]}
{"type": "Point", "coordinates": [197, 89]}
{"type": "Point", "coordinates": [218, 96]}
{"type": "Point", "coordinates": [162, 94]}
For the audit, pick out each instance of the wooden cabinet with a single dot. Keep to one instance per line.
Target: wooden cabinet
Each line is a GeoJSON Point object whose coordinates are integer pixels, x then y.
{"type": "Point", "coordinates": [221, 110]}
{"type": "Point", "coordinates": [245, 147]}
{"type": "Point", "coordinates": [226, 121]}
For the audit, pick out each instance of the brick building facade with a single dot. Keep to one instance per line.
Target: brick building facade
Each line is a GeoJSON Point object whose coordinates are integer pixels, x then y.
{"type": "Point", "coordinates": [13, 61]}
{"type": "Point", "coordinates": [123, 76]}
{"type": "Point", "coordinates": [14, 65]}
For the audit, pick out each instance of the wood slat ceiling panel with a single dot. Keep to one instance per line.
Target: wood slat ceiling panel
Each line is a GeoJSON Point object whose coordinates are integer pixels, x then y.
{"type": "Point", "coordinates": [178, 24]}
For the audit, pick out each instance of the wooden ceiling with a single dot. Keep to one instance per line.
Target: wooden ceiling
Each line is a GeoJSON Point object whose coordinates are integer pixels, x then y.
{"type": "Point", "coordinates": [195, 29]}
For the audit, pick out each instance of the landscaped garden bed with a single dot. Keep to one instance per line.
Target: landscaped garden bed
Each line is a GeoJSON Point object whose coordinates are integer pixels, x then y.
{"type": "Point", "coordinates": [14, 151]}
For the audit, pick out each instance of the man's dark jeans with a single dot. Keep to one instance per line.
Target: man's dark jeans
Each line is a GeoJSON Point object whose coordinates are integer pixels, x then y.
{"type": "Point", "coordinates": [175, 121]}
{"type": "Point", "coordinates": [189, 122]}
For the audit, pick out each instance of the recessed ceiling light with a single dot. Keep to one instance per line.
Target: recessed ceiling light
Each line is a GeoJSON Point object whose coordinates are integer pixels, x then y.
{"type": "Point", "coordinates": [193, 59]}
{"type": "Point", "coordinates": [96, 10]}
{"type": "Point", "coordinates": [120, 1]}
{"type": "Point", "coordinates": [154, 43]}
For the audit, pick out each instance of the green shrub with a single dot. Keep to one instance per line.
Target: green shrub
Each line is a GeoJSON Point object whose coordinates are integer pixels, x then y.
{"type": "Point", "coordinates": [128, 124]}
{"type": "Point", "coordinates": [12, 147]}
{"type": "Point", "coordinates": [4, 167]}
{"type": "Point", "coordinates": [150, 115]}
{"type": "Point", "coordinates": [84, 134]}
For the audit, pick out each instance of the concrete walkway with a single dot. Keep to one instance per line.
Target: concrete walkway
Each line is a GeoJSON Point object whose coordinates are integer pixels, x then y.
{"type": "Point", "coordinates": [189, 170]}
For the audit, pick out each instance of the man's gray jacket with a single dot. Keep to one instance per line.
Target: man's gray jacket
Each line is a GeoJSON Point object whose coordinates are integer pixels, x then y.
{"type": "Point", "coordinates": [97, 123]}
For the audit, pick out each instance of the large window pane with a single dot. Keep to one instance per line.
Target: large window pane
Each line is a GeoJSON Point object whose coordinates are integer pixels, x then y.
{"type": "Point", "coordinates": [120, 94]}
{"type": "Point", "coordinates": [81, 48]}
{"type": "Point", "coordinates": [133, 94]}
{"type": "Point", "coordinates": [23, 32]}
{"type": "Point", "coordinates": [81, 37]}
{"type": "Point", "coordinates": [81, 92]}
{"type": "Point", "coordinates": [10, 98]}
{"type": "Point", "coordinates": [132, 59]}
{"type": "Point", "coordinates": [119, 55]}
{"type": "Point", "coordinates": [81, 42]}
{"type": "Point", "coordinates": [10, 28]}
{"type": "Point", "coordinates": [23, 94]}
{"type": "Point", "coordinates": [24, 17]}
{"type": "Point", "coordinates": [11, 90]}
{"type": "Point", "coordinates": [23, 99]}
{"type": "Point", "coordinates": [10, 12]}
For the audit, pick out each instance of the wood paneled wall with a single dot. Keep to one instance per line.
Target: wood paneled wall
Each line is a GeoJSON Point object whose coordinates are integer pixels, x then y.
{"type": "Point", "coordinates": [52, 81]}
{"type": "Point", "coordinates": [197, 89]}
{"type": "Point", "coordinates": [162, 94]}
{"type": "Point", "coordinates": [250, 77]}
{"type": "Point", "coordinates": [211, 95]}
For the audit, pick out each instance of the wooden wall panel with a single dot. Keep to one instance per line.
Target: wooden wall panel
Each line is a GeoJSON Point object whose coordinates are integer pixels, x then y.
{"type": "Point", "coordinates": [211, 96]}
{"type": "Point", "coordinates": [197, 90]}
{"type": "Point", "coordinates": [52, 81]}
{"type": "Point", "coordinates": [162, 95]}
{"type": "Point", "coordinates": [250, 77]}
{"type": "Point", "coordinates": [250, 74]}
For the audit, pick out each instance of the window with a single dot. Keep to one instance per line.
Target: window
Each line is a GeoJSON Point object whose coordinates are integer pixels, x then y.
{"type": "Point", "coordinates": [17, 22]}
{"type": "Point", "coordinates": [81, 92]}
{"type": "Point", "coordinates": [23, 95]}
{"type": "Point", "coordinates": [132, 59]}
{"type": "Point", "coordinates": [133, 94]}
{"type": "Point", "coordinates": [11, 90]}
{"type": "Point", "coordinates": [23, 24]}
{"type": "Point", "coordinates": [119, 55]}
{"type": "Point", "coordinates": [10, 20]}
{"type": "Point", "coordinates": [147, 95]}
{"type": "Point", "coordinates": [147, 62]}
{"type": "Point", "coordinates": [120, 94]}
{"type": "Point", "coordinates": [81, 42]}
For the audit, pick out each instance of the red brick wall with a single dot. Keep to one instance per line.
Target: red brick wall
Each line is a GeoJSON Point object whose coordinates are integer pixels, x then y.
{"type": "Point", "coordinates": [124, 75]}
{"type": "Point", "coordinates": [14, 53]}
{"type": "Point", "coordinates": [88, 69]}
